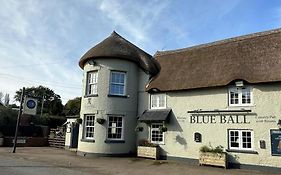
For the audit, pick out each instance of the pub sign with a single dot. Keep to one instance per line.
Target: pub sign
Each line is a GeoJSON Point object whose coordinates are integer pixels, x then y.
{"type": "Point", "coordinates": [275, 136]}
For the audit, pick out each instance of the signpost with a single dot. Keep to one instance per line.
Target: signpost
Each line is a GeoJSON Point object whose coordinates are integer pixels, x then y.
{"type": "Point", "coordinates": [30, 106]}
{"type": "Point", "coordinates": [27, 106]}
{"type": "Point", "coordinates": [18, 120]}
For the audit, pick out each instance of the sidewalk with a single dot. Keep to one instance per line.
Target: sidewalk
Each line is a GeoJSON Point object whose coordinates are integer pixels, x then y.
{"type": "Point", "coordinates": [68, 161]}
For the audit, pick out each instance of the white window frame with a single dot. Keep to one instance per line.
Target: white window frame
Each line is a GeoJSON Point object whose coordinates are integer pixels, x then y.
{"type": "Point", "coordinates": [116, 127]}
{"type": "Point", "coordinates": [115, 83]}
{"type": "Point", "coordinates": [239, 91]}
{"type": "Point", "coordinates": [158, 130]}
{"type": "Point", "coordinates": [92, 83]}
{"type": "Point", "coordinates": [88, 126]}
{"type": "Point", "coordinates": [240, 139]}
{"type": "Point", "coordinates": [157, 96]}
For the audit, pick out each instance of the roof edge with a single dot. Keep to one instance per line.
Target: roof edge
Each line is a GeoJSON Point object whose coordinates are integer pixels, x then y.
{"type": "Point", "coordinates": [220, 42]}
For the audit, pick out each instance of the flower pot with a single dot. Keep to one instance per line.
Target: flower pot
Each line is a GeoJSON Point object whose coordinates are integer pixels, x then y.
{"type": "Point", "coordinates": [148, 152]}
{"type": "Point", "coordinates": [79, 120]}
{"type": "Point", "coordinates": [214, 159]}
{"type": "Point", "coordinates": [139, 129]}
{"type": "Point", "coordinates": [100, 120]}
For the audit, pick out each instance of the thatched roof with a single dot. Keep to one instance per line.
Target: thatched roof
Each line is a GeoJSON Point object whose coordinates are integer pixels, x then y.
{"type": "Point", "coordinates": [115, 46]}
{"type": "Point", "coordinates": [255, 58]}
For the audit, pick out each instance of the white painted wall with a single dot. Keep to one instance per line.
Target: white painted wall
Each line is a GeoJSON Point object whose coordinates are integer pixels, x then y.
{"type": "Point", "coordinates": [102, 105]}
{"type": "Point", "coordinates": [68, 131]}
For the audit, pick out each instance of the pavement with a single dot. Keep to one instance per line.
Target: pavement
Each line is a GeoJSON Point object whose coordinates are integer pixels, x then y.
{"type": "Point", "coordinates": [54, 161]}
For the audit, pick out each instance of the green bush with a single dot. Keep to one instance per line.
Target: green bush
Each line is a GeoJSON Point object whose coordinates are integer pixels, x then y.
{"type": "Point", "coordinates": [217, 149]}
{"type": "Point", "coordinates": [8, 120]}
{"type": "Point", "coordinates": [147, 143]}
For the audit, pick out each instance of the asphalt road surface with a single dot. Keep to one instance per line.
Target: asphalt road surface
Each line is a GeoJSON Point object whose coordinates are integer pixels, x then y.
{"type": "Point", "coordinates": [52, 161]}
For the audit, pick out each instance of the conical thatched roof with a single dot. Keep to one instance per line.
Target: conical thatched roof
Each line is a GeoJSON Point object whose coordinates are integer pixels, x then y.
{"type": "Point", "coordinates": [116, 46]}
{"type": "Point", "coordinates": [255, 58]}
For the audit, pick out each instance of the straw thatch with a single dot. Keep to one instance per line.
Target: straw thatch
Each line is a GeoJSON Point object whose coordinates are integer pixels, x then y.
{"type": "Point", "coordinates": [116, 46]}
{"type": "Point", "coordinates": [255, 58]}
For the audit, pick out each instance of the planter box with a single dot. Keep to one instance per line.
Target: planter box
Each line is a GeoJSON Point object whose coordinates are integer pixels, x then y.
{"type": "Point", "coordinates": [148, 152]}
{"type": "Point", "coordinates": [215, 159]}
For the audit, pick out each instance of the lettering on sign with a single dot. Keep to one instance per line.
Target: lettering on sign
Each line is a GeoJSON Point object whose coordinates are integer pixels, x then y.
{"type": "Point", "coordinates": [181, 119]}
{"type": "Point", "coordinates": [222, 119]}
{"type": "Point", "coordinates": [266, 119]}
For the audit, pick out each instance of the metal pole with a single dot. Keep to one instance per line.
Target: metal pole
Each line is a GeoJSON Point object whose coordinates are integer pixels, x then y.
{"type": "Point", "coordinates": [18, 120]}
{"type": "Point", "coordinates": [42, 105]}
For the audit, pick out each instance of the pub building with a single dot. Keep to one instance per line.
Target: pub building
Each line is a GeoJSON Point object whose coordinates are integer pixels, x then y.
{"type": "Point", "coordinates": [225, 93]}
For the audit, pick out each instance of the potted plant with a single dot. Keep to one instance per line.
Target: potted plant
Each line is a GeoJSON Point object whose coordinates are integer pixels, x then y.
{"type": "Point", "coordinates": [148, 150]}
{"type": "Point", "coordinates": [213, 156]}
{"type": "Point", "coordinates": [163, 129]}
{"type": "Point", "coordinates": [1, 139]}
{"type": "Point", "coordinates": [139, 129]}
{"type": "Point", "coordinates": [79, 120]}
{"type": "Point", "coordinates": [100, 120]}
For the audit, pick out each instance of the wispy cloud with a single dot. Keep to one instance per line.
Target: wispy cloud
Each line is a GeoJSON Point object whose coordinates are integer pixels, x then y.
{"type": "Point", "coordinates": [42, 41]}
{"type": "Point", "coordinates": [135, 18]}
{"type": "Point", "coordinates": [28, 37]}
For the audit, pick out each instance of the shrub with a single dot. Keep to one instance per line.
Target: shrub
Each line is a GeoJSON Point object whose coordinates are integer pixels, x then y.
{"type": "Point", "coordinates": [217, 149]}
{"type": "Point", "coordinates": [147, 143]}
{"type": "Point", "coordinates": [163, 129]}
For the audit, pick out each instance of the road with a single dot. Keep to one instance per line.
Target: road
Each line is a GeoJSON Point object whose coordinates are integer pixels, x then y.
{"type": "Point", "coordinates": [52, 161]}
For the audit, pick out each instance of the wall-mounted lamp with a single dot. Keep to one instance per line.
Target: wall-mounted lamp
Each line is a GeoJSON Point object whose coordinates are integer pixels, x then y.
{"type": "Point", "coordinates": [279, 124]}
{"type": "Point", "coordinates": [239, 83]}
{"type": "Point", "coordinates": [92, 62]}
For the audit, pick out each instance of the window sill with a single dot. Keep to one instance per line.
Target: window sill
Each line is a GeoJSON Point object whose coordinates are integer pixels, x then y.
{"type": "Point", "coordinates": [92, 95]}
{"type": "Point", "coordinates": [114, 141]}
{"type": "Point", "coordinates": [121, 96]}
{"type": "Point", "coordinates": [242, 151]}
{"type": "Point", "coordinates": [87, 140]}
{"type": "Point", "coordinates": [157, 143]}
{"type": "Point", "coordinates": [242, 105]}
{"type": "Point", "coordinates": [158, 108]}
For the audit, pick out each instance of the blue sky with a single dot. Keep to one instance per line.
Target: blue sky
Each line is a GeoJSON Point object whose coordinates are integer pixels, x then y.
{"type": "Point", "coordinates": [41, 42]}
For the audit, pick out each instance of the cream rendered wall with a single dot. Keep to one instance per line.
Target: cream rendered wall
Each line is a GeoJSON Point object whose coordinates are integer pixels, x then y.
{"type": "Point", "coordinates": [179, 139]}
{"type": "Point", "coordinates": [68, 134]}
{"type": "Point", "coordinates": [143, 104]}
{"type": "Point", "coordinates": [102, 105]}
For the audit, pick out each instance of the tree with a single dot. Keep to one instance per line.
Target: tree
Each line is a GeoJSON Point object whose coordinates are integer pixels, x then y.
{"type": "Point", "coordinates": [51, 101]}
{"type": "Point", "coordinates": [8, 119]}
{"type": "Point", "coordinates": [1, 96]}
{"type": "Point", "coordinates": [73, 106]}
{"type": "Point", "coordinates": [7, 100]}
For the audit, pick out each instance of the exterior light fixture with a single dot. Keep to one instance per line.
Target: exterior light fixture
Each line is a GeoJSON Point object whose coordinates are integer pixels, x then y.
{"type": "Point", "coordinates": [239, 83]}
{"type": "Point", "coordinates": [92, 62]}
{"type": "Point", "coordinates": [279, 124]}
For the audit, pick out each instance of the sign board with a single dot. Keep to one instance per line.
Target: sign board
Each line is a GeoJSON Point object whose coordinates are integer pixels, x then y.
{"type": "Point", "coordinates": [30, 106]}
{"type": "Point", "coordinates": [20, 141]}
{"type": "Point", "coordinates": [275, 142]}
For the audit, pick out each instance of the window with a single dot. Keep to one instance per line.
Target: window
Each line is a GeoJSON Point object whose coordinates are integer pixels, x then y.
{"type": "Point", "coordinates": [156, 136]}
{"type": "Point", "coordinates": [157, 101]}
{"type": "Point", "coordinates": [115, 128]}
{"type": "Point", "coordinates": [240, 139]}
{"type": "Point", "coordinates": [117, 83]}
{"type": "Point", "coordinates": [92, 83]}
{"type": "Point", "coordinates": [89, 124]}
{"type": "Point", "coordinates": [240, 96]}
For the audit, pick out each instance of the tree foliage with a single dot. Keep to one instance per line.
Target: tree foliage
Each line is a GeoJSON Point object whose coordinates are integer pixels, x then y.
{"type": "Point", "coordinates": [73, 106]}
{"type": "Point", "coordinates": [8, 119]}
{"type": "Point", "coordinates": [52, 101]}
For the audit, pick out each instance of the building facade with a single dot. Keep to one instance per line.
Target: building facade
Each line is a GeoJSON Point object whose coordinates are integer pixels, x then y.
{"type": "Point", "coordinates": [225, 93]}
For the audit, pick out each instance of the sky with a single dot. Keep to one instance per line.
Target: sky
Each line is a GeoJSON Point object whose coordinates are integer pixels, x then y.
{"type": "Point", "coordinates": [41, 42]}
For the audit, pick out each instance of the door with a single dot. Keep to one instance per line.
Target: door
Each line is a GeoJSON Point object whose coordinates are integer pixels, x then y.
{"type": "Point", "coordinates": [74, 136]}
